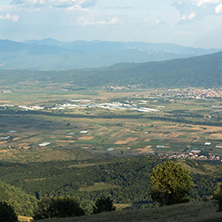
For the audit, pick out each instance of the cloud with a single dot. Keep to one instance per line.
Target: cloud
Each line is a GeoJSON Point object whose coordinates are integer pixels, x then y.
{"type": "Point", "coordinates": [218, 9]}
{"type": "Point", "coordinates": [191, 10]}
{"type": "Point", "coordinates": [114, 20]}
{"type": "Point", "coordinates": [13, 18]}
{"type": "Point", "coordinates": [54, 3]}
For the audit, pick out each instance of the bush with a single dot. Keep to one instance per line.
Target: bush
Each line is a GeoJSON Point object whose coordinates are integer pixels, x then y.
{"type": "Point", "coordinates": [217, 195]}
{"type": "Point", "coordinates": [103, 205]}
{"type": "Point", "coordinates": [58, 207]}
{"type": "Point", "coordinates": [7, 213]}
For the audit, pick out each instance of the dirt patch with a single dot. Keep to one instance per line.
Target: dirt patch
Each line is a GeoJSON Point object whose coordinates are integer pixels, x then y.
{"type": "Point", "coordinates": [121, 142]}
{"type": "Point", "coordinates": [213, 129]}
{"type": "Point", "coordinates": [145, 150]}
{"type": "Point", "coordinates": [68, 137]}
{"type": "Point", "coordinates": [16, 138]}
{"type": "Point", "coordinates": [3, 142]}
{"type": "Point", "coordinates": [217, 136]}
{"type": "Point", "coordinates": [86, 138]}
{"type": "Point", "coordinates": [147, 140]}
{"type": "Point", "coordinates": [3, 151]}
{"type": "Point", "coordinates": [26, 147]}
{"type": "Point", "coordinates": [178, 134]}
{"type": "Point", "coordinates": [23, 144]}
{"type": "Point", "coordinates": [120, 148]}
{"type": "Point", "coordinates": [5, 101]}
{"type": "Point", "coordinates": [65, 141]}
{"type": "Point", "coordinates": [197, 128]}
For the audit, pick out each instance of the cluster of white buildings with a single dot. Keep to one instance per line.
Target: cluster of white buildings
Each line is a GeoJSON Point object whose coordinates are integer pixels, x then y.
{"type": "Point", "coordinates": [193, 156]}
{"type": "Point", "coordinates": [107, 106]}
{"type": "Point", "coordinates": [31, 107]}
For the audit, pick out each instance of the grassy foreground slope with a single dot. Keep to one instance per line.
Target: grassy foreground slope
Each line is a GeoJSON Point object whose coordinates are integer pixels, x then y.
{"type": "Point", "coordinates": [189, 212]}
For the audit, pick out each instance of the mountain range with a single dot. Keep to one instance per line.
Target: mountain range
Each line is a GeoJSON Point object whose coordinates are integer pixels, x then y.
{"type": "Point", "coordinates": [50, 54]}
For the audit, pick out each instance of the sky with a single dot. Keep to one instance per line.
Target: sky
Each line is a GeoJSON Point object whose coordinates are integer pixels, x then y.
{"type": "Point", "coordinates": [196, 23]}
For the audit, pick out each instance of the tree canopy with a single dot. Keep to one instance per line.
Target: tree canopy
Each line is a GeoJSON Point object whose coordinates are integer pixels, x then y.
{"type": "Point", "coordinates": [170, 183]}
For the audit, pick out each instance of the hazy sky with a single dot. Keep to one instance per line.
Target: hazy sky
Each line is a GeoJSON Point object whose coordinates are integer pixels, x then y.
{"type": "Point", "coordinates": [195, 23]}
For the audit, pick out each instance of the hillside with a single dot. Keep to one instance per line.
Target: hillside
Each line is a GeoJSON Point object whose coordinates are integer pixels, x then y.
{"type": "Point", "coordinates": [189, 212]}
{"type": "Point", "coordinates": [50, 54]}
{"type": "Point", "coordinates": [201, 71]}
{"type": "Point", "coordinates": [125, 180]}
{"type": "Point", "coordinates": [22, 203]}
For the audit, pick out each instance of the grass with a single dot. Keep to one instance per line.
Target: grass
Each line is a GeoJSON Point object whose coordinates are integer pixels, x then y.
{"type": "Point", "coordinates": [189, 212]}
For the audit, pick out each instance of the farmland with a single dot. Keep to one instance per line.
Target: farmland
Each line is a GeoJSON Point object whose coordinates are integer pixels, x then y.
{"type": "Point", "coordinates": [173, 126]}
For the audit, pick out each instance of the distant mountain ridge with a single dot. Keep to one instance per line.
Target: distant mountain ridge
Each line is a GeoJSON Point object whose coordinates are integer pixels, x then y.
{"type": "Point", "coordinates": [50, 54]}
{"type": "Point", "coordinates": [200, 71]}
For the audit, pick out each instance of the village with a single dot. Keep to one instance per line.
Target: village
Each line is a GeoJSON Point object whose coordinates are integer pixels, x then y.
{"type": "Point", "coordinates": [189, 93]}
{"type": "Point", "coordinates": [193, 155]}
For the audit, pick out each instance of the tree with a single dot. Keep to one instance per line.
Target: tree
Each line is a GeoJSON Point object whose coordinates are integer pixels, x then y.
{"type": "Point", "coordinates": [170, 183]}
{"type": "Point", "coordinates": [103, 205]}
{"type": "Point", "coordinates": [58, 207]}
{"type": "Point", "coordinates": [7, 213]}
{"type": "Point", "coordinates": [217, 195]}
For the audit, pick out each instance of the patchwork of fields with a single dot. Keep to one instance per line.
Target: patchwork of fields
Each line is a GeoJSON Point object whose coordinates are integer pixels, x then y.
{"type": "Point", "coordinates": [83, 133]}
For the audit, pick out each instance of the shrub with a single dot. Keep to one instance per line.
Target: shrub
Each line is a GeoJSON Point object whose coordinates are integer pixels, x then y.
{"type": "Point", "coordinates": [58, 207]}
{"type": "Point", "coordinates": [103, 205]}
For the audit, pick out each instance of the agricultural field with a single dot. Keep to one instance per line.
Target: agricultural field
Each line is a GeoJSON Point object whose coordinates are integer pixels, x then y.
{"type": "Point", "coordinates": [176, 126]}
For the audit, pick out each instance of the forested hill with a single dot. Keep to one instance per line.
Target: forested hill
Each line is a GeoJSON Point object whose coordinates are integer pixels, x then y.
{"type": "Point", "coordinates": [198, 71]}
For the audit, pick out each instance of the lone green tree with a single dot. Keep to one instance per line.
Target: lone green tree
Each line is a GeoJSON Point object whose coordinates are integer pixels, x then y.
{"type": "Point", "coordinates": [170, 183]}
{"type": "Point", "coordinates": [58, 207]}
{"type": "Point", "coordinates": [7, 213]}
{"type": "Point", "coordinates": [217, 195]}
{"type": "Point", "coordinates": [103, 204]}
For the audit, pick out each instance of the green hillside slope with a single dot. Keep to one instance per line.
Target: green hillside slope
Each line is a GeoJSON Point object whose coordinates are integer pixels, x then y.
{"type": "Point", "coordinates": [22, 203]}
